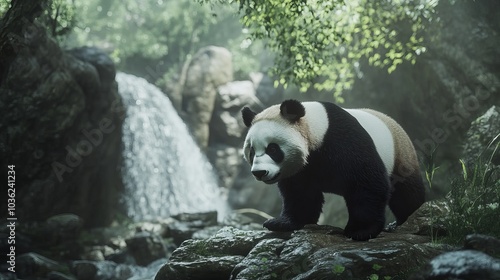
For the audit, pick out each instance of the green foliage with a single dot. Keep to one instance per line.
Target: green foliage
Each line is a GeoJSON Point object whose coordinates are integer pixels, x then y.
{"type": "Point", "coordinates": [338, 269]}
{"type": "Point", "coordinates": [474, 201]}
{"type": "Point", "coordinates": [4, 6]}
{"type": "Point", "coordinates": [59, 17]}
{"type": "Point", "coordinates": [321, 42]}
{"type": "Point", "coordinates": [377, 267]}
{"type": "Point", "coordinates": [153, 37]}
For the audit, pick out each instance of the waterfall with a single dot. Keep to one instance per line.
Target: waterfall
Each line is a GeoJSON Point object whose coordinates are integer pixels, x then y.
{"type": "Point", "coordinates": [164, 171]}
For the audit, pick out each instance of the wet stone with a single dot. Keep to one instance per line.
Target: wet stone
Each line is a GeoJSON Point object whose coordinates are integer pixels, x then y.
{"type": "Point", "coordinates": [35, 265]}
{"type": "Point", "coordinates": [315, 252]}
{"type": "Point", "coordinates": [464, 265]}
{"type": "Point", "coordinates": [484, 243]}
{"type": "Point", "coordinates": [146, 247]}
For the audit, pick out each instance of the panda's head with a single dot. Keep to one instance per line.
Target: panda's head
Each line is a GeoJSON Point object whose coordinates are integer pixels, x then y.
{"type": "Point", "coordinates": [278, 142]}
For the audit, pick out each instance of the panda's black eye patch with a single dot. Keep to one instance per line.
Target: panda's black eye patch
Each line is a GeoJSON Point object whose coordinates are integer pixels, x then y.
{"type": "Point", "coordinates": [275, 152]}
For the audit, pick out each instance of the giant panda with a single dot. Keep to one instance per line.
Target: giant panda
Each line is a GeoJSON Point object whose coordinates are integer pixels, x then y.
{"type": "Point", "coordinates": [313, 147]}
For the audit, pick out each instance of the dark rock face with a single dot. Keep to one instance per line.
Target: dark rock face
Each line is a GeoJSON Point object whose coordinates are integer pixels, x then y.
{"type": "Point", "coordinates": [453, 82]}
{"type": "Point", "coordinates": [62, 130]}
{"type": "Point", "coordinates": [481, 133]}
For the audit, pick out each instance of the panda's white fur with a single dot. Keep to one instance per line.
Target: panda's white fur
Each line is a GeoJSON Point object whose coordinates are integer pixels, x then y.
{"type": "Point", "coordinates": [316, 120]}
{"type": "Point", "coordinates": [311, 148]}
{"type": "Point", "coordinates": [380, 134]}
{"type": "Point", "coordinates": [290, 140]}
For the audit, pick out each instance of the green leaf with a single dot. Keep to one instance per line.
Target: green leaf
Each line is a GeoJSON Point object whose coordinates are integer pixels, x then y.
{"type": "Point", "coordinates": [464, 169]}
{"type": "Point", "coordinates": [376, 267]}
{"type": "Point", "coordinates": [338, 269]}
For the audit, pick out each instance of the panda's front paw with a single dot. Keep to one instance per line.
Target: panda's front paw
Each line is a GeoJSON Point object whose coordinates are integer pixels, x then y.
{"type": "Point", "coordinates": [281, 224]}
{"type": "Point", "coordinates": [364, 232]}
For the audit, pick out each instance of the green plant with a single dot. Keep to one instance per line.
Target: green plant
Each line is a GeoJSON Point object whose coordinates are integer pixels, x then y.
{"type": "Point", "coordinates": [320, 43]}
{"type": "Point", "coordinates": [474, 200]}
{"type": "Point", "coordinates": [430, 170]}
{"type": "Point", "coordinates": [338, 269]}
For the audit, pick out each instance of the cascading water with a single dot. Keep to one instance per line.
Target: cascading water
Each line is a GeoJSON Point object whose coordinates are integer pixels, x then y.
{"type": "Point", "coordinates": [164, 171]}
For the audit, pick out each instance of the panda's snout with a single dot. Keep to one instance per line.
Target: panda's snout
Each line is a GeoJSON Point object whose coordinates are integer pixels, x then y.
{"type": "Point", "coordinates": [259, 174]}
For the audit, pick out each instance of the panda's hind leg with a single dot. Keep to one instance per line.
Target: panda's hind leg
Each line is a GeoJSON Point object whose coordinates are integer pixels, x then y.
{"type": "Point", "coordinates": [407, 196]}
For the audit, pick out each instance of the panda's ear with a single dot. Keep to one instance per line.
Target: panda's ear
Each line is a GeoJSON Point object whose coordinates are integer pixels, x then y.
{"type": "Point", "coordinates": [292, 110]}
{"type": "Point", "coordinates": [248, 115]}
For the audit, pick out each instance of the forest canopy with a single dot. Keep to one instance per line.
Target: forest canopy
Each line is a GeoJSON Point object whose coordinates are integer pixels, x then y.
{"type": "Point", "coordinates": [320, 42]}
{"type": "Point", "coordinates": [315, 43]}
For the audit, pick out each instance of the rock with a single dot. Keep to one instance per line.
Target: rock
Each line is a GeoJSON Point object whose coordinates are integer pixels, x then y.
{"type": "Point", "coordinates": [102, 270]}
{"type": "Point", "coordinates": [84, 269]}
{"type": "Point", "coordinates": [265, 90]}
{"type": "Point", "coordinates": [315, 252]}
{"type": "Point", "coordinates": [206, 232]}
{"type": "Point", "coordinates": [201, 219]}
{"type": "Point", "coordinates": [122, 257]}
{"type": "Point", "coordinates": [226, 125]}
{"type": "Point", "coordinates": [250, 193]}
{"type": "Point", "coordinates": [481, 133]}
{"type": "Point", "coordinates": [428, 219]}
{"type": "Point", "coordinates": [227, 130]}
{"type": "Point", "coordinates": [464, 265]}
{"type": "Point", "coordinates": [35, 265]}
{"type": "Point", "coordinates": [62, 121]}
{"type": "Point", "coordinates": [8, 276]}
{"type": "Point", "coordinates": [65, 226]}
{"type": "Point", "coordinates": [102, 63]}
{"type": "Point", "coordinates": [146, 247]}
{"type": "Point", "coordinates": [213, 258]}
{"type": "Point", "coordinates": [54, 275]}
{"type": "Point", "coordinates": [209, 68]}
{"type": "Point", "coordinates": [483, 243]}
{"type": "Point", "coordinates": [227, 161]}
{"type": "Point", "coordinates": [186, 224]}
{"type": "Point", "coordinates": [98, 253]}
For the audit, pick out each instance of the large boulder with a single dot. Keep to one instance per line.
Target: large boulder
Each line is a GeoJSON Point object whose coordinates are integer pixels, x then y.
{"type": "Point", "coordinates": [475, 261]}
{"type": "Point", "coordinates": [227, 130]}
{"type": "Point", "coordinates": [483, 136]}
{"type": "Point", "coordinates": [146, 247]}
{"type": "Point", "coordinates": [62, 121]}
{"type": "Point", "coordinates": [209, 68]}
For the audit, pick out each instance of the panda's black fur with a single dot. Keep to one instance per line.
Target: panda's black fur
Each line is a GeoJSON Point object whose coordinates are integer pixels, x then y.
{"type": "Point", "coordinates": [348, 164]}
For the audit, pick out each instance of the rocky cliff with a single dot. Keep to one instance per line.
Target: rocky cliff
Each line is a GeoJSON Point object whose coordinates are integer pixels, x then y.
{"type": "Point", "coordinates": [61, 129]}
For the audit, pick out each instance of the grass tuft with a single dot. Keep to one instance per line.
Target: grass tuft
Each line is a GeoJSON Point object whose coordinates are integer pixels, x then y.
{"type": "Point", "coordinates": [474, 200]}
